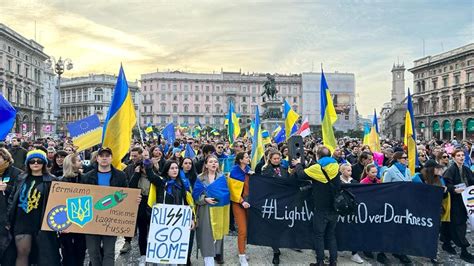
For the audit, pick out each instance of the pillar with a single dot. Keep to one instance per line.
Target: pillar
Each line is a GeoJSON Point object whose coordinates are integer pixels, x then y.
{"type": "Point", "coordinates": [441, 134]}
{"type": "Point", "coordinates": [452, 131]}
{"type": "Point", "coordinates": [464, 132]}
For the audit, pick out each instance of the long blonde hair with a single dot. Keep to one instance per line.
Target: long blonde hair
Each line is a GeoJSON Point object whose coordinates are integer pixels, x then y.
{"type": "Point", "coordinates": [68, 165]}
{"type": "Point", "coordinates": [205, 171]}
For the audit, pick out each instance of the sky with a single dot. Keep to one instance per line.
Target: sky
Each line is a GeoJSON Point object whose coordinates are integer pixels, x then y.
{"type": "Point", "coordinates": [364, 37]}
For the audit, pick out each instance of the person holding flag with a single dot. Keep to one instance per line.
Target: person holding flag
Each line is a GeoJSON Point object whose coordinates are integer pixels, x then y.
{"type": "Point", "coordinates": [233, 127]}
{"type": "Point", "coordinates": [212, 195]}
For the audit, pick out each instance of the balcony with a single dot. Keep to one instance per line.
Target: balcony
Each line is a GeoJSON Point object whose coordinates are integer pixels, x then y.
{"type": "Point", "coordinates": [147, 101]}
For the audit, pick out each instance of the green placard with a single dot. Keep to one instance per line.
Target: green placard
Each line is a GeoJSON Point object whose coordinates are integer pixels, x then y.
{"type": "Point", "coordinates": [470, 125]}
{"type": "Point", "coordinates": [458, 126]}
{"type": "Point", "coordinates": [446, 126]}
{"type": "Point", "coordinates": [436, 126]}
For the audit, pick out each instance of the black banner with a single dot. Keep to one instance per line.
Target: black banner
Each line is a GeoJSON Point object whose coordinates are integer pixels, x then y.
{"type": "Point", "coordinates": [401, 217]}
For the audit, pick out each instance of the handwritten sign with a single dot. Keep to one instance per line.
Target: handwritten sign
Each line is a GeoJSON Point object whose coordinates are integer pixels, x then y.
{"type": "Point", "coordinates": [168, 238]}
{"type": "Point", "coordinates": [89, 209]}
{"type": "Point", "coordinates": [468, 199]}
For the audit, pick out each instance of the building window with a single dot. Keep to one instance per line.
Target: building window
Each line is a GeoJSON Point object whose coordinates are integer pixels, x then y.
{"type": "Point", "coordinates": [185, 108]}
{"type": "Point", "coordinates": [27, 99]}
{"type": "Point", "coordinates": [9, 65]}
{"type": "Point", "coordinates": [18, 67]}
{"type": "Point", "coordinates": [144, 88]}
{"type": "Point", "coordinates": [196, 88]}
{"type": "Point", "coordinates": [208, 120]}
{"type": "Point", "coordinates": [175, 97]}
{"type": "Point", "coordinates": [445, 82]}
{"type": "Point", "coordinates": [218, 88]}
{"type": "Point", "coordinates": [244, 109]}
{"type": "Point", "coordinates": [151, 108]}
{"type": "Point", "coordinates": [9, 94]}
{"type": "Point", "coordinates": [456, 80]}
{"type": "Point", "coordinates": [185, 87]}
{"type": "Point", "coordinates": [175, 119]}
{"type": "Point", "coordinates": [163, 120]}
{"type": "Point", "coordinates": [207, 88]}
{"type": "Point", "coordinates": [445, 105]}
{"type": "Point", "coordinates": [435, 84]}
{"type": "Point", "coordinates": [207, 98]}
{"type": "Point", "coordinates": [175, 87]}
{"type": "Point", "coordinates": [196, 108]}
{"type": "Point", "coordinates": [175, 108]}
{"type": "Point", "coordinates": [196, 120]}
{"type": "Point", "coordinates": [18, 97]}
{"type": "Point", "coordinates": [218, 98]}
{"type": "Point", "coordinates": [254, 89]}
{"type": "Point", "coordinates": [196, 97]}
{"type": "Point", "coordinates": [295, 99]}
{"type": "Point", "coordinates": [186, 97]}
{"type": "Point", "coordinates": [244, 99]}
{"type": "Point", "coordinates": [163, 97]}
{"type": "Point", "coordinates": [469, 102]}
{"type": "Point", "coordinates": [26, 72]}
{"type": "Point", "coordinates": [456, 104]}
{"type": "Point", "coordinates": [254, 99]}
{"type": "Point", "coordinates": [163, 107]}
{"type": "Point", "coordinates": [144, 109]}
{"type": "Point", "coordinates": [208, 109]}
{"type": "Point", "coordinates": [163, 87]}
{"type": "Point", "coordinates": [218, 108]}
{"type": "Point", "coordinates": [470, 77]}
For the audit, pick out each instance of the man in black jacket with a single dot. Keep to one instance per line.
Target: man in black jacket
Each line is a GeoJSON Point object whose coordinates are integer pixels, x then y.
{"type": "Point", "coordinates": [104, 175]}
{"type": "Point", "coordinates": [18, 153]}
{"type": "Point", "coordinates": [325, 178]}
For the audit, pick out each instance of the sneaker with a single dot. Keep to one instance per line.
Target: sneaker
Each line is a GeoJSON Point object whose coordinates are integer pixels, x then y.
{"type": "Point", "coordinates": [467, 257]}
{"type": "Point", "coordinates": [219, 259]}
{"type": "Point", "coordinates": [450, 249]}
{"type": "Point", "coordinates": [142, 261]}
{"type": "Point", "coordinates": [357, 259]}
{"type": "Point", "coordinates": [369, 255]}
{"type": "Point", "coordinates": [243, 260]}
{"type": "Point", "coordinates": [382, 258]}
{"type": "Point", "coordinates": [126, 248]}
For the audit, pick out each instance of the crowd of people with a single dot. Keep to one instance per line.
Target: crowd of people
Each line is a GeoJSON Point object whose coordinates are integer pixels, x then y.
{"type": "Point", "coordinates": [202, 180]}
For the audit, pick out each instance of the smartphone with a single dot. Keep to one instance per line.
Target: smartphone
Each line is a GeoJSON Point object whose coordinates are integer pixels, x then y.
{"type": "Point", "coordinates": [215, 199]}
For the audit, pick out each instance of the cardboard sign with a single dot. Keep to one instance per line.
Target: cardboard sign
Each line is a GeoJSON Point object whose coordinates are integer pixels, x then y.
{"type": "Point", "coordinates": [168, 238]}
{"type": "Point", "coordinates": [89, 209]}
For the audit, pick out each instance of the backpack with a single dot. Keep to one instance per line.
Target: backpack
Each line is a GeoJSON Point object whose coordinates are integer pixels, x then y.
{"type": "Point", "coordinates": [345, 202]}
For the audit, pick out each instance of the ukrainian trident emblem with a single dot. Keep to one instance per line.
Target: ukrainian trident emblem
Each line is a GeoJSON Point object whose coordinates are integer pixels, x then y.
{"type": "Point", "coordinates": [79, 210]}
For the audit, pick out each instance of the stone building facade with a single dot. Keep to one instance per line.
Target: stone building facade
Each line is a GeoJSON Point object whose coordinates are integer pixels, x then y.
{"type": "Point", "coordinates": [84, 96]}
{"type": "Point", "coordinates": [23, 81]}
{"type": "Point", "coordinates": [443, 98]}
{"type": "Point", "coordinates": [192, 98]}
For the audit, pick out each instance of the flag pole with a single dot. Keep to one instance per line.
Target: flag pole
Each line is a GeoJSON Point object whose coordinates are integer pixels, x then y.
{"type": "Point", "coordinates": [138, 120]}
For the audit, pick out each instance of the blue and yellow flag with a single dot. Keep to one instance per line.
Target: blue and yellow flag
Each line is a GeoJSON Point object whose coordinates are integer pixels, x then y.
{"type": "Point", "coordinates": [410, 135]}
{"type": "Point", "coordinates": [328, 115]}
{"type": "Point", "coordinates": [266, 137]}
{"type": "Point", "coordinates": [280, 136]}
{"type": "Point", "coordinates": [290, 120]}
{"type": "Point", "coordinates": [366, 134]}
{"type": "Point", "coordinates": [85, 133]}
{"type": "Point", "coordinates": [189, 152]}
{"type": "Point", "coordinates": [149, 128]}
{"type": "Point", "coordinates": [7, 119]}
{"type": "Point", "coordinates": [233, 127]}
{"type": "Point", "coordinates": [219, 212]}
{"type": "Point", "coordinates": [235, 181]}
{"type": "Point", "coordinates": [330, 166]}
{"type": "Point", "coordinates": [121, 118]}
{"type": "Point", "coordinates": [374, 137]}
{"type": "Point", "coordinates": [257, 142]}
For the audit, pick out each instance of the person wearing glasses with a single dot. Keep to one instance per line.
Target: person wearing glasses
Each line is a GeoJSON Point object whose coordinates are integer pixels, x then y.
{"type": "Point", "coordinates": [26, 210]}
{"type": "Point", "coordinates": [397, 172]}
{"type": "Point", "coordinates": [443, 159]}
{"type": "Point", "coordinates": [220, 154]}
{"type": "Point", "coordinates": [457, 178]}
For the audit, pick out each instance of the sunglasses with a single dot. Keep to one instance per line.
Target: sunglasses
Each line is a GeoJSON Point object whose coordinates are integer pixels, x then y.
{"type": "Point", "coordinates": [240, 146]}
{"type": "Point", "coordinates": [422, 155]}
{"type": "Point", "coordinates": [404, 157]}
{"type": "Point", "coordinates": [35, 161]}
{"type": "Point", "coordinates": [445, 156]}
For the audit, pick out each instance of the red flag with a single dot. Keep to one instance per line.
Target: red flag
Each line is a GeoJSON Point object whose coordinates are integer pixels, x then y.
{"type": "Point", "coordinates": [304, 130]}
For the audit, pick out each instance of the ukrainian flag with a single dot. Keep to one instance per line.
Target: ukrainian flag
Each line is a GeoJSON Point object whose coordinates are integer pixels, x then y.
{"type": "Point", "coordinates": [328, 115]}
{"type": "Point", "coordinates": [149, 129]}
{"type": "Point", "coordinates": [330, 166]}
{"type": "Point", "coordinates": [290, 120]}
{"type": "Point", "coordinates": [374, 138]}
{"type": "Point", "coordinates": [233, 127]}
{"type": "Point", "coordinates": [86, 132]}
{"type": "Point", "coordinates": [235, 181]}
{"type": "Point", "coordinates": [366, 134]}
{"type": "Point", "coordinates": [121, 118]}
{"type": "Point", "coordinates": [410, 135]}
{"type": "Point", "coordinates": [266, 137]}
{"type": "Point", "coordinates": [257, 142]}
{"type": "Point", "coordinates": [220, 212]}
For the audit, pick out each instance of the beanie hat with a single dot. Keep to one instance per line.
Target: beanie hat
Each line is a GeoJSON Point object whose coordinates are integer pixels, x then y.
{"type": "Point", "coordinates": [175, 150]}
{"type": "Point", "coordinates": [39, 154]}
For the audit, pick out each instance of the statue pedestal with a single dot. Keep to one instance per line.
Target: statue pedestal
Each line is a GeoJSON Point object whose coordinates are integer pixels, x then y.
{"type": "Point", "coordinates": [272, 114]}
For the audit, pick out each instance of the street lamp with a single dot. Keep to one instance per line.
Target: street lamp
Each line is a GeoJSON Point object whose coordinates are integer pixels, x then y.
{"type": "Point", "coordinates": [59, 66]}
